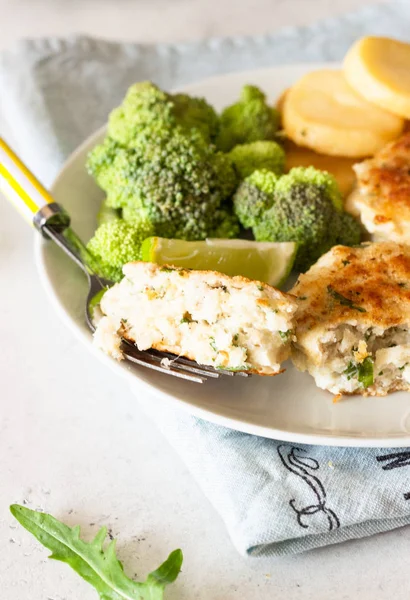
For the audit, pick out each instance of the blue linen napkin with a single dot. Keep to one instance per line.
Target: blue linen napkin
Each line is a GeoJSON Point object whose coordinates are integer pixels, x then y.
{"type": "Point", "coordinates": [275, 498]}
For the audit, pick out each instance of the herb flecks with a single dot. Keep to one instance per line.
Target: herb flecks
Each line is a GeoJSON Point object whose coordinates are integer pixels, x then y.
{"type": "Point", "coordinates": [186, 318]}
{"type": "Point", "coordinates": [366, 372]}
{"type": "Point", "coordinates": [363, 371]}
{"type": "Point", "coordinates": [219, 287]}
{"type": "Point", "coordinates": [351, 370]}
{"type": "Point", "coordinates": [343, 300]}
{"type": "Point", "coordinates": [213, 344]}
{"type": "Point", "coordinates": [285, 334]}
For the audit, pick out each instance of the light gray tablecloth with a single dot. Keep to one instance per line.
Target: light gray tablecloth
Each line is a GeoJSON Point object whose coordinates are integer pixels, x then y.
{"type": "Point", "coordinates": [275, 498]}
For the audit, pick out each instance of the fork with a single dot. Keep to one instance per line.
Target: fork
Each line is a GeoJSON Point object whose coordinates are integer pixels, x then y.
{"type": "Point", "coordinates": [38, 207]}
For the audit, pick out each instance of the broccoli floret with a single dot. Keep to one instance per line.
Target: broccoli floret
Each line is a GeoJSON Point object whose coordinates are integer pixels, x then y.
{"type": "Point", "coordinates": [312, 179]}
{"type": "Point", "coordinates": [349, 231]}
{"type": "Point", "coordinates": [304, 206]}
{"type": "Point", "coordinates": [265, 154]}
{"type": "Point", "coordinates": [144, 104]}
{"type": "Point", "coordinates": [147, 106]}
{"type": "Point", "coordinates": [107, 163]}
{"type": "Point", "coordinates": [248, 120]}
{"type": "Point", "coordinates": [196, 113]}
{"type": "Point", "coordinates": [100, 160]}
{"type": "Point", "coordinates": [174, 179]}
{"type": "Point", "coordinates": [228, 225]}
{"type": "Point", "coordinates": [254, 197]}
{"type": "Point", "coordinates": [116, 243]}
{"type": "Point", "coordinates": [132, 214]}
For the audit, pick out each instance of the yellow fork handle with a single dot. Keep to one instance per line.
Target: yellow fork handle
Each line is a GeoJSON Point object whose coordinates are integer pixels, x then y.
{"type": "Point", "coordinates": [20, 186]}
{"type": "Point", "coordinates": [27, 194]}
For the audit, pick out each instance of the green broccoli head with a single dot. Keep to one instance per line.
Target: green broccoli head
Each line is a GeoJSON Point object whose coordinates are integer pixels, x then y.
{"type": "Point", "coordinates": [263, 154]}
{"type": "Point", "coordinates": [147, 106]}
{"type": "Point", "coordinates": [182, 182]}
{"type": "Point", "coordinates": [307, 209]}
{"type": "Point", "coordinates": [175, 179]}
{"type": "Point", "coordinates": [227, 225]}
{"type": "Point", "coordinates": [320, 182]}
{"type": "Point", "coordinates": [348, 230]}
{"type": "Point", "coordinates": [195, 113]}
{"type": "Point", "coordinates": [131, 213]}
{"type": "Point", "coordinates": [108, 164]}
{"type": "Point", "coordinates": [144, 105]}
{"type": "Point", "coordinates": [254, 197]}
{"type": "Point", "coordinates": [116, 243]}
{"type": "Point", "coordinates": [248, 120]}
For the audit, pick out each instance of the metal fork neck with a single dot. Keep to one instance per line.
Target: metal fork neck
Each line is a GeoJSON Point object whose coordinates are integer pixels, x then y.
{"type": "Point", "coordinates": [53, 215]}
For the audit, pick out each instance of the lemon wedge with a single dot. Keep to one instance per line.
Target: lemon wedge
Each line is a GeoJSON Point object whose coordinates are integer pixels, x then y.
{"type": "Point", "coordinates": [270, 262]}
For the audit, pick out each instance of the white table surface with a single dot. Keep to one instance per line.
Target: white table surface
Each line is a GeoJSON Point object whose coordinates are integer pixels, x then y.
{"type": "Point", "coordinates": [73, 440]}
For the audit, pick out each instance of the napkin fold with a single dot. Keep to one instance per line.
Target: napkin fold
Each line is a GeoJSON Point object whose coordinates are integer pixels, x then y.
{"type": "Point", "coordinates": [275, 498]}
{"type": "Point", "coordinates": [278, 498]}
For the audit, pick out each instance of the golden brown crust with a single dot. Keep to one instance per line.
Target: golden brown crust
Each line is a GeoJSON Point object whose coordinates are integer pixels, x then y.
{"type": "Point", "coordinates": [384, 182]}
{"type": "Point", "coordinates": [368, 284]}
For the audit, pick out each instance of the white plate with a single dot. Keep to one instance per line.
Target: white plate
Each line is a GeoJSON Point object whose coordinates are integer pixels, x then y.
{"type": "Point", "coordinates": [288, 407]}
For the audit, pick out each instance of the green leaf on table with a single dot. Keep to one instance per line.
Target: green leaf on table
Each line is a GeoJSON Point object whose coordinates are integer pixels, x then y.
{"type": "Point", "coordinates": [99, 566]}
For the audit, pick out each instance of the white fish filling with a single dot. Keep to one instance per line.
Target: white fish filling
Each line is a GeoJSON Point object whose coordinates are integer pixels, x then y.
{"type": "Point", "coordinates": [345, 349]}
{"type": "Point", "coordinates": [214, 320]}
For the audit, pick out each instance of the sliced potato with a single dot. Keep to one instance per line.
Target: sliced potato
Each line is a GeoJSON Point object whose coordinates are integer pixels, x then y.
{"type": "Point", "coordinates": [281, 100]}
{"type": "Point", "coordinates": [322, 112]}
{"type": "Point", "coordinates": [378, 69]}
{"type": "Point", "coordinates": [339, 166]}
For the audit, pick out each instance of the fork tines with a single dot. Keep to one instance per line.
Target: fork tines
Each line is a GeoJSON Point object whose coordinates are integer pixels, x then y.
{"type": "Point", "coordinates": [171, 364]}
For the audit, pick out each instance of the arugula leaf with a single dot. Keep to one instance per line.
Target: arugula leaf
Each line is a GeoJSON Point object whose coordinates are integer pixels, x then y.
{"type": "Point", "coordinates": [343, 300]}
{"type": "Point", "coordinates": [99, 567]}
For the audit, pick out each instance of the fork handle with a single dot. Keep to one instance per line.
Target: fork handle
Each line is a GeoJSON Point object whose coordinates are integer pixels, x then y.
{"type": "Point", "coordinates": [27, 194]}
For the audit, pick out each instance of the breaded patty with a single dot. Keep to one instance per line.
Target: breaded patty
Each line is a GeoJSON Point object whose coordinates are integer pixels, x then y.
{"type": "Point", "coordinates": [227, 322]}
{"type": "Point", "coordinates": [353, 320]}
{"type": "Point", "coordinates": [382, 196]}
